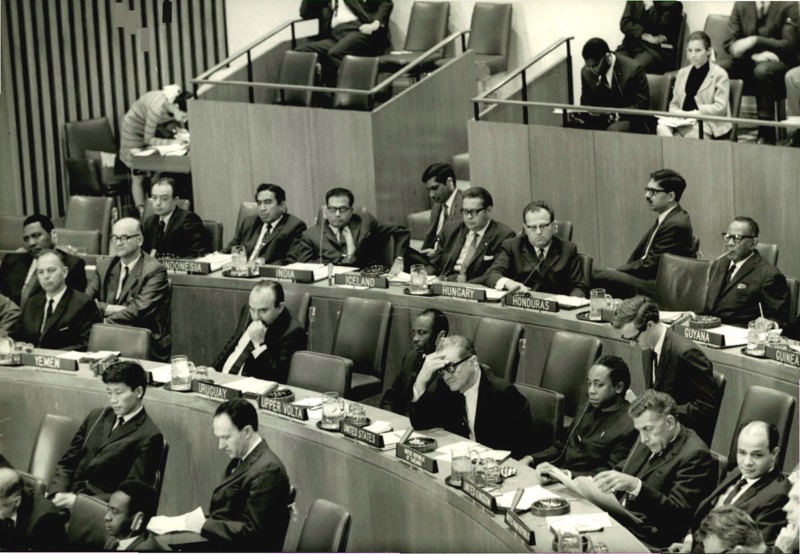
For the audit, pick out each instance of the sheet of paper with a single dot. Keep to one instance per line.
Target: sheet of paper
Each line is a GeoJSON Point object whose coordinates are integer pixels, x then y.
{"type": "Point", "coordinates": [606, 500]}
{"type": "Point", "coordinates": [170, 524]}
{"type": "Point", "coordinates": [161, 374]}
{"type": "Point", "coordinates": [734, 336]}
{"type": "Point", "coordinates": [569, 301]}
{"type": "Point", "coordinates": [676, 121]}
{"type": "Point", "coordinates": [583, 523]}
{"type": "Point", "coordinates": [671, 317]}
{"type": "Point", "coordinates": [379, 427]}
{"type": "Point", "coordinates": [310, 402]}
{"type": "Point", "coordinates": [529, 496]}
{"type": "Point", "coordinates": [252, 385]}
{"type": "Point", "coordinates": [99, 355]}
{"type": "Point", "coordinates": [217, 260]}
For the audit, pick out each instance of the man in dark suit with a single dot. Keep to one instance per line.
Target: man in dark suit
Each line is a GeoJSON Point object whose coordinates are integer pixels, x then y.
{"type": "Point", "coordinates": [129, 510]}
{"type": "Point", "coordinates": [9, 315]}
{"type": "Point", "coordinates": [172, 232]}
{"type": "Point", "coordinates": [269, 234]}
{"type": "Point", "coordinates": [61, 318]}
{"type": "Point", "coordinates": [742, 283]}
{"type": "Point", "coordinates": [467, 249]}
{"type": "Point", "coordinates": [266, 337]}
{"type": "Point", "coordinates": [345, 238]}
{"type": "Point", "coordinates": [28, 520]}
{"type": "Point", "coordinates": [763, 42]}
{"type": "Point", "coordinates": [248, 509]}
{"type": "Point", "coordinates": [113, 444]}
{"type": "Point", "coordinates": [468, 400]}
{"type": "Point", "coordinates": [354, 27]}
{"type": "Point", "coordinates": [671, 234]}
{"type": "Point", "coordinates": [665, 476]}
{"type": "Point", "coordinates": [539, 260]}
{"type": "Point", "coordinates": [677, 366]}
{"type": "Point", "coordinates": [446, 199]}
{"type": "Point", "coordinates": [427, 330]}
{"type": "Point", "coordinates": [18, 270]}
{"type": "Point", "coordinates": [132, 287]}
{"type": "Point", "coordinates": [651, 34]}
{"type": "Point", "coordinates": [611, 81]}
{"type": "Point", "coordinates": [730, 529]}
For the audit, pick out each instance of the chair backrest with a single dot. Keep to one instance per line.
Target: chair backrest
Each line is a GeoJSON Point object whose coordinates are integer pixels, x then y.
{"type": "Point", "coordinates": [586, 265]}
{"type": "Point", "coordinates": [183, 203]}
{"type": "Point", "coordinates": [89, 213]}
{"type": "Point", "coordinates": [683, 40]}
{"type": "Point", "coordinates": [131, 342]}
{"type": "Point", "coordinates": [794, 293]}
{"type": "Point", "coordinates": [736, 87]}
{"type": "Point", "coordinates": [86, 527]}
{"type": "Point", "coordinates": [427, 25]}
{"type": "Point", "coordinates": [771, 406]}
{"type": "Point", "coordinates": [214, 231]}
{"type": "Point", "coordinates": [11, 232]}
{"type": "Point", "coordinates": [568, 360]}
{"type": "Point", "coordinates": [490, 29]}
{"type": "Point", "coordinates": [659, 92]}
{"type": "Point", "coordinates": [89, 134]}
{"type": "Point", "coordinates": [54, 437]}
{"type": "Point", "coordinates": [563, 229]}
{"type": "Point", "coordinates": [769, 252]}
{"type": "Point", "coordinates": [320, 372]}
{"type": "Point", "coordinates": [696, 247]}
{"type": "Point", "coordinates": [297, 68]}
{"type": "Point", "coordinates": [418, 224]}
{"type": "Point", "coordinates": [33, 483]}
{"type": "Point", "coordinates": [361, 334]}
{"type": "Point", "coordinates": [84, 177]}
{"type": "Point", "coordinates": [497, 344]}
{"type": "Point", "coordinates": [326, 528]}
{"type": "Point", "coordinates": [716, 27]}
{"type": "Point", "coordinates": [297, 302]}
{"type": "Point", "coordinates": [722, 382]}
{"type": "Point", "coordinates": [681, 283]}
{"type": "Point", "coordinates": [356, 73]}
{"type": "Point", "coordinates": [547, 411]}
{"type": "Point", "coordinates": [90, 240]}
{"type": "Point", "coordinates": [158, 484]}
{"type": "Point", "coordinates": [246, 210]}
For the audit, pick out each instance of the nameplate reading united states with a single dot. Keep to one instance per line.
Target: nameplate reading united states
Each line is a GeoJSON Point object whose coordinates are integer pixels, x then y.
{"type": "Point", "coordinates": [701, 335]}
{"type": "Point", "coordinates": [358, 280]}
{"type": "Point", "coordinates": [187, 266]}
{"type": "Point", "coordinates": [295, 275]}
{"type": "Point", "coordinates": [47, 361]}
{"type": "Point", "coordinates": [362, 435]}
{"type": "Point", "coordinates": [215, 391]}
{"type": "Point", "coordinates": [519, 528]}
{"type": "Point", "coordinates": [530, 303]}
{"type": "Point", "coordinates": [457, 291]}
{"type": "Point", "coordinates": [784, 356]}
{"type": "Point", "coordinates": [283, 408]}
{"type": "Point", "coordinates": [416, 459]}
{"type": "Point", "coordinates": [478, 494]}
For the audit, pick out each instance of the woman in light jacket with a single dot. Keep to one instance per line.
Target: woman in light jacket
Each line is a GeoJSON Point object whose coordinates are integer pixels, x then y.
{"type": "Point", "coordinates": [701, 88]}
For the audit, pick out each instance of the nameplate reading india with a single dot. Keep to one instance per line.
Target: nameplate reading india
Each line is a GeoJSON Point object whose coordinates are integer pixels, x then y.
{"type": "Point", "coordinates": [362, 435]}
{"type": "Point", "coordinates": [416, 459]}
{"type": "Point", "coordinates": [358, 280]}
{"type": "Point", "coordinates": [520, 529]}
{"type": "Point", "coordinates": [784, 356]}
{"type": "Point", "coordinates": [458, 291]}
{"type": "Point", "coordinates": [283, 408]}
{"type": "Point", "coordinates": [295, 275]}
{"type": "Point", "coordinates": [530, 303]}
{"type": "Point", "coordinates": [701, 335]}
{"type": "Point", "coordinates": [215, 391]}
{"type": "Point", "coordinates": [48, 362]}
{"type": "Point", "coordinates": [478, 494]}
{"type": "Point", "coordinates": [187, 266]}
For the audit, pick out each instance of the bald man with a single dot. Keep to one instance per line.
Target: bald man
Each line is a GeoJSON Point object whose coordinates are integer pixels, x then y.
{"type": "Point", "coordinates": [28, 521]}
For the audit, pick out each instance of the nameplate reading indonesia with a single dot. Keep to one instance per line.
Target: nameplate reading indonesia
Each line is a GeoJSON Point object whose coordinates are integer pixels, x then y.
{"type": "Point", "coordinates": [280, 407]}
{"type": "Point", "coordinates": [187, 266]}
{"type": "Point", "coordinates": [528, 302]}
{"type": "Point", "coordinates": [519, 528]}
{"type": "Point", "coordinates": [215, 391]}
{"type": "Point", "coordinates": [478, 494]}
{"type": "Point", "coordinates": [416, 459]}
{"type": "Point", "coordinates": [458, 291]}
{"type": "Point", "coordinates": [701, 335]}
{"type": "Point", "coordinates": [48, 361]}
{"type": "Point", "coordinates": [783, 355]}
{"type": "Point", "coordinates": [358, 280]}
{"type": "Point", "coordinates": [362, 435]}
{"type": "Point", "coordinates": [294, 275]}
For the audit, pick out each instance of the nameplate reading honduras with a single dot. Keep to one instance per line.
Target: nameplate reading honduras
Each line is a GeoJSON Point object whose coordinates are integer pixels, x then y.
{"type": "Point", "coordinates": [187, 266]}
{"type": "Point", "coordinates": [358, 280]}
{"type": "Point", "coordinates": [417, 459]}
{"type": "Point", "coordinates": [48, 362]}
{"type": "Point", "coordinates": [295, 275]}
{"type": "Point", "coordinates": [362, 435]}
{"type": "Point", "coordinates": [518, 526]}
{"type": "Point", "coordinates": [457, 291]}
{"type": "Point", "coordinates": [478, 494]}
{"type": "Point", "coordinates": [215, 391]}
{"type": "Point", "coordinates": [701, 335]}
{"type": "Point", "coordinates": [530, 303]}
{"type": "Point", "coordinates": [783, 355]}
{"type": "Point", "coordinates": [283, 408]}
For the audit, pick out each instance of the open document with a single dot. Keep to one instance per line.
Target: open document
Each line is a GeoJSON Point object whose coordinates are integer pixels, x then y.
{"type": "Point", "coordinates": [171, 524]}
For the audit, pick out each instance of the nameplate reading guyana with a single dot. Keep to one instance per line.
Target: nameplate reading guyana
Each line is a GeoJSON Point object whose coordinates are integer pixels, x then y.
{"type": "Point", "coordinates": [478, 494]}
{"type": "Point", "coordinates": [283, 408]}
{"type": "Point", "coordinates": [358, 280]}
{"type": "Point", "coordinates": [519, 528]}
{"type": "Point", "coordinates": [457, 291]}
{"type": "Point", "coordinates": [362, 435]}
{"type": "Point", "coordinates": [783, 355]}
{"type": "Point", "coordinates": [47, 361]}
{"type": "Point", "coordinates": [416, 459]}
{"type": "Point", "coordinates": [530, 303]}
{"type": "Point", "coordinates": [295, 275]}
{"type": "Point", "coordinates": [215, 391]}
{"type": "Point", "coordinates": [187, 266]}
{"type": "Point", "coordinates": [701, 335]}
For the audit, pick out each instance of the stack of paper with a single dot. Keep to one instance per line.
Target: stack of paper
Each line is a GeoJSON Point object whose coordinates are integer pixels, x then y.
{"type": "Point", "coordinates": [582, 523]}
{"type": "Point", "coordinates": [569, 301]}
{"type": "Point", "coordinates": [161, 374]}
{"type": "Point", "coordinates": [217, 260]}
{"type": "Point", "coordinates": [253, 386]}
{"type": "Point", "coordinates": [529, 496]}
{"type": "Point", "coordinates": [443, 453]}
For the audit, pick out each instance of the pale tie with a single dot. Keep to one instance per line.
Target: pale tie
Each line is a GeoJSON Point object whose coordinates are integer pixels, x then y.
{"type": "Point", "coordinates": [348, 239]}
{"type": "Point", "coordinates": [122, 279]}
{"type": "Point", "coordinates": [47, 315]}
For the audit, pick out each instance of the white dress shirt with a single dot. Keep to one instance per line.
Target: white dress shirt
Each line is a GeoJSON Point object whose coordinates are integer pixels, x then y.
{"type": "Point", "coordinates": [661, 217]}
{"type": "Point", "coordinates": [471, 401]}
{"type": "Point", "coordinates": [470, 237]}
{"type": "Point", "coordinates": [243, 340]}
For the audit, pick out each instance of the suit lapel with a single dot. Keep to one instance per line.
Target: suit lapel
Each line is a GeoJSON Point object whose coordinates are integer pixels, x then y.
{"type": "Point", "coordinates": [123, 430]}
{"type": "Point", "coordinates": [480, 248]}
{"type": "Point", "coordinates": [58, 312]}
{"type": "Point", "coordinates": [672, 450]}
{"type": "Point", "coordinates": [553, 254]}
{"type": "Point", "coordinates": [133, 279]}
{"type": "Point", "coordinates": [241, 470]}
{"type": "Point", "coordinates": [746, 269]}
{"type": "Point", "coordinates": [453, 252]}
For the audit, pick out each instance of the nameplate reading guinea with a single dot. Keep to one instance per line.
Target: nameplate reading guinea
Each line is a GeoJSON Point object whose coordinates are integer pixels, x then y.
{"type": "Point", "coordinates": [187, 266]}
{"type": "Point", "coordinates": [416, 459]}
{"type": "Point", "coordinates": [358, 280]}
{"type": "Point", "coordinates": [362, 435]}
{"type": "Point", "coordinates": [457, 291]}
{"type": "Point", "coordinates": [478, 494]}
{"type": "Point", "coordinates": [530, 303]}
{"type": "Point", "coordinates": [47, 361]}
{"type": "Point", "coordinates": [215, 391]}
{"type": "Point", "coordinates": [784, 356]}
{"type": "Point", "coordinates": [295, 275]}
{"type": "Point", "coordinates": [519, 528]}
{"type": "Point", "coordinates": [283, 408]}
{"type": "Point", "coordinates": [701, 335]}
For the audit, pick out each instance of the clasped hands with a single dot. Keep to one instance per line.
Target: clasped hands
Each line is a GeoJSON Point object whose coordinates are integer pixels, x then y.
{"type": "Point", "coordinates": [369, 28]}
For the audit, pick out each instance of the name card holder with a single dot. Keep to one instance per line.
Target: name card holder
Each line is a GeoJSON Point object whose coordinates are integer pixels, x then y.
{"type": "Point", "coordinates": [458, 291]}
{"type": "Point", "coordinates": [701, 335]}
{"type": "Point", "coordinates": [416, 459]}
{"type": "Point", "coordinates": [358, 280]}
{"type": "Point", "coordinates": [783, 355]}
{"type": "Point", "coordinates": [519, 528]}
{"type": "Point", "coordinates": [479, 495]}
{"type": "Point", "coordinates": [216, 392]}
{"type": "Point", "coordinates": [47, 361]}
{"type": "Point", "coordinates": [362, 435]}
{"type": "Point", "coordinates": [300, 413]}
{"type": "Point", "coordinates": [187, 266]}
{"type": "Point", "coordinates": [294, 275]}
{"type": "Point", "coordinates": [527, 302]}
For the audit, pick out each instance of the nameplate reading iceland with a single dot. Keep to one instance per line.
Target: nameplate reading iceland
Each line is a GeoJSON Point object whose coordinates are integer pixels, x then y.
{"type": "Point", "coordinates": [478, 494]}
{"type": "Point", "coordinates": [457, 291]}
{"type": "Point", "coordinates": [283, 408]}
{"type": "Point", "coordinates": [187, 266]}
{"type": "Point", "coordinates": [701, 335]}
{"type": "Point", "coordinates": [358, 280]}
{"type": "Point", "coordinates": [784, 356]}
{"type": "Point", "coordinates": [530, 303]}
{"type": "Point", "coordinates": [362, 435]}
{"type": "Point", "coordinates": [416, 459]}
{"type": "Point", "coordinates": [215, 391]}
{"type": "Point", "coordinates": [295, 275]}
{"type": "Point", "coordinates": [47, 361]}
{"type": "Point", "coordinates": [520, 529]}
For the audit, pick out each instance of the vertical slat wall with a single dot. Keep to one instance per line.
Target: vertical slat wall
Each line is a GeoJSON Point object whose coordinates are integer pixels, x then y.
{"type": "Point", "coordinates": [70, 60]}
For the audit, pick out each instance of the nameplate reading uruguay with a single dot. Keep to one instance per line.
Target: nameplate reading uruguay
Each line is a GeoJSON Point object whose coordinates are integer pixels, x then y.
{"type": "Point", "coordinates": [519, 528]}
{"type": "Point", "coordinates": [478, 494]}
{"type": "Point", "coordinates": [358, 280]}
{"type": "Point", "coordinates": [215, 391]}
{"type": "Point", "coordinates": [47, 361]}
{"type": "Point", "coordinates": [187, 266]}
{"type": "Point", "coordinates": [530, 303]}
{"type": "Point", "coordinates": [362, 435]}
{"type": "Point", "coordinates": [295, 275]}
{"type": "Point", "coordinates": [457, 291]}
{"type": "Point", "coordinates": [701, 335]}
{"type": "Point", "coordinates": [283, 408]}
{"type": "Point", "coordinates": [416, 459]}
{"type": "Point", "coordinates": [784, 356]}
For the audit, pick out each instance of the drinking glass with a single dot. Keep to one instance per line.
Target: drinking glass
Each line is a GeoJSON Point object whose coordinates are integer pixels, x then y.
{"type": "Point", "coordinates": [182, 372]}
{"type": "Point", "coordinates": [461, 465]}
{"type": "Point", "coordinates": [419, 279]}
{"type": "Point", "coordinates": [239, 258]}
{"type": "Point", "coordinates": [597, 302]}
{"type": "Point", "coordinates": [569, 540]}
{"type": "Point", "coordinates": [332, 410]}
{"type": "Point", "coordinates": [756, 338]}
{"type": "Point", "coordinates": [357, 415]}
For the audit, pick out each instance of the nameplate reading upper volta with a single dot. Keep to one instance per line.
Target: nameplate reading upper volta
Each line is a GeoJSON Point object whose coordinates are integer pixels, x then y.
{"type": "Point", "coordinates": [283, 408]}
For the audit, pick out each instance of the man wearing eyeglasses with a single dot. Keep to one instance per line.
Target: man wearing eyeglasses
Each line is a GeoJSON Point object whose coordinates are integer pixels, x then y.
{"type": "Point", "coordinates": [172, 231]}
{"type": "Point", "coordinates": [742, 283]}
{"type": "Point", "coordinates": [538, 260]}
{"type": "Point", "coordinates": [455, 392]}
{"type": "Point", "coordinates": [132, 288]}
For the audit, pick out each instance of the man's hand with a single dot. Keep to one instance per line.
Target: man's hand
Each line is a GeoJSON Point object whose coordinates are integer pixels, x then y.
{"type": "Point", "coordinates": [195, 521]}
{"type": "Point", "coordinates": [647, 37]}
{"type": "Point", "coordinates": [545, 475]}
{"type": "Point", "coordinates": [787, 540]}
{"type": "Point", "coordinates": [369, 28]}
{"type": "Point", "coordinates": [427, 251]}
{"type": "Point", "coordinates": [64, 500]}
{"type": "Point", "coordinates": [432, 362]}
{"type": "Point", "coordinates": [516, 286]}
{"type": "Point", "coordinates": [112, 309]}
{"type": "Point", "coordinates": [766, 56]}
{"type": "Point", "coordinates": [613, 481]}
{"type": "Point", "coordinates": [257, 331]}
{"type": "Point", "coordinates": [740, 47]}
{"type": "Point", "coordinates": [182, 136]}
{"type": "Point", "coordinates": [685, 546]}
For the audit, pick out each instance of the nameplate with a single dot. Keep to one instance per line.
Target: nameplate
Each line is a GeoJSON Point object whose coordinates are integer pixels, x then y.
{"type": "Point", "coordinates": [187, 266]}
{"type": "Point", "coordinates": [478, 494]}
{"type": "Point", "coordinates": [283, 408]}
{"type": "Point", "coordinates": [215, 391]}
{"type": "Point", "coordinates": [294, 275]}
{"type": "Point", "coordinates": [701, 335]}
{"type": "Point", "coordinates": [358, 280]}
{"type": "Point", "coordinates": [457, 291]}
{"type": "Point", "coordinates": [47, 361]}
{"type": "Point", "coordinates": [519, 528]}
{"type": "Point", "coordinates": [783, 355]}
{"type": "Point", "coordinates": [362, 435]}
{"type": "Point", "coordinates": [530, 303]}
{"type": "Point", "coordinates": [416, 459]}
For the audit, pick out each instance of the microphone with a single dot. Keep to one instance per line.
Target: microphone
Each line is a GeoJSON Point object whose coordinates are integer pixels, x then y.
{"type": "Point", "coordinates": [532, 270]}
{"type": "Point", "coordinates": [571, 432]}
{"type": "Point", "coordinates": [449, 257]}
{"type": "Point", "coordinates": [321, 232]}
{"type": "Point", "coordinates": [102, 412]}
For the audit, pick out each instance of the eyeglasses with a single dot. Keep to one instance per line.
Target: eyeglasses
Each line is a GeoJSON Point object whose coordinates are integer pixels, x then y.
{"type": "Point", "coordinates": [450, 367]}
{"type": "Point", "coordinates": [471, 213]}
{"type": "Point", "coordinates": [122, 238]}
{"type": "Point", "coordinates": [338, 211]}
{"type": "Point", "coordinates": [543, 227]}
{"type": "Point", "coordinates": [652, 192]}
{"type": "Point", "coordinates": [735, 238]}
{"type": "Point", "coordinates": [634, 338]}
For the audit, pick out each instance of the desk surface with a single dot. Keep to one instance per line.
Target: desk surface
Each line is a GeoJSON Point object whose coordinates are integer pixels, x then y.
{"type": "Point", "coordinates": [170, 164]}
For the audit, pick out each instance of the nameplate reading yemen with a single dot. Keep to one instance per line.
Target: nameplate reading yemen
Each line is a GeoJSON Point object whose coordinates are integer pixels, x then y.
{"type": "Point", "coordinates": [188, 266]}
{"type": "Point", "coordinates": [784, 356]}
{"type": "Point", "coordinates": [518, 526]}
{"type": "Point", "coordinates": [362, 435]}
{"type": "Point", "coordinates": [416, 459]}
{"type": "Point", "coordinates": [283, 408]}
{"type": "Point", "coordinates": [478, 494]}
{"type": "Point", "coordinates": [48, 362]}
{"type": "Point", "coordinates": [701, 335]}
{"type": "Point", "coordinates": [531, 303]}
{"type": "Point", "coordinates": [358, 280]}
{"type": "Point", "coordinates": [456, 291]}
{"type": "Point", "coordinates": [296, 275]}
{"type": "Point", "coordinates": [215, 391]}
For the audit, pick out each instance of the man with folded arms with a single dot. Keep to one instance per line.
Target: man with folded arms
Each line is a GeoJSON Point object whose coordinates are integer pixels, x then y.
{"type": "Point", "coordinates": [172, 232]}
{"type": "Point", "coordinates": [129, 511]}
{"type": "Point", "coordinates": [454, 391]}
{"type": "Point", "coordinates": [28, 520]}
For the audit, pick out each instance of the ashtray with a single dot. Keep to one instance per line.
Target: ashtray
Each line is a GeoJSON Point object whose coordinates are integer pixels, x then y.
{"type": "Point", "coordinates": [584, 316]}
{"type": "Point", "coordinates": [350, 421]}
{"type": "Point", "coordinates": [746, 353]}
{"type": "Point", "coordinates": [704, 322]}
{"type": "Point", "coordinates": [584, 544]}
{"type": "Point", "coordinates": [426, 292]}
{"type": "Point", "coordinates": [450, 483]}
{"type": "Point", "coordinates": [319, 426]}
{"type": "Point", "coordinates": [422, 444]}
{"type": "Point", "coordinates": [246, 274]}
{"type": "Point", "coordinates": [550, 507]}
{"type": "Point", "coordinates": [283, 394]}
{"type": "Point", "coordinates": [168, 386]}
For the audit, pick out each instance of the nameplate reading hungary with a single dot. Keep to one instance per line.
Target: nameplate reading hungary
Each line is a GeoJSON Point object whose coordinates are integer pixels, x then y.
{"type": "Point", "coordinates": [701, 335]}
{"type": "Point", "coordinates": [478, 494]}
{"type": "Point", "coordinates": [187, 266]}
{"type": "Point", "coordinates": [215, 391]}
{"type": "Point", "coordinates": [280, 407]}
{"type": "Point", "coordinates": [783, 355]}
{"type": "Point", "coordinates": [358, 280]}
{"type": "Point", "coordinates": [47, 361]}
{"type": "Point", "coordinates": [294, 275]}
{"type": "Point", "coordinates": [416, 459]}
{"type": "Point", "coordinates": [458, 291]}
{"type": "Point", "coordinates": [362, 435]}
{"type": "Point", "coordinates": [519, 528]}
{"type": "Point", "coordinates": [530, 303]}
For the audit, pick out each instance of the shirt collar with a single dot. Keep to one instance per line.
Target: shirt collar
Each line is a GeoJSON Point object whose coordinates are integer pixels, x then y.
{"type": "Point", "coordinates": [451, 199]}
{"type": "Point", "coordinates": [125, 543]}
{"type": "Point", "coordinates": [273, 224]}
{"type": "Point", "coordinates": [663, 215]}
{"type": "Point", "coordinates": [473, 390]}
{"type": "Point", "coordinates": [481, 232]}
{"type": "Point", "coordinates": [133, 263]}
{"type": "Point", "coordinates": [253, 447]}
{"type": "Point", "coordinates": [740, 263]}
{"type": "Point", "coordinates": [56, 298]}
{"type": "Point", "coordinates": [166, 218]}
{"type": "Point", "coordinates": [660, 342]}
{"type": "Point", "coordinates": [127, 417]}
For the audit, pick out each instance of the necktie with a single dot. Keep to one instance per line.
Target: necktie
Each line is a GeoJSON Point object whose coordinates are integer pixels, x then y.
{"type": "Point", "coordinates": [653, 370]}
{"type": "Point", "coordinates": [349, 242]}
{"type": "Point", "coordinates": [114, 545]}
{"type": "Point", "coordinates": [48, 313]}
{"type": "Point", "coordinates": [160, 235]}
{"type": "Point", "coordinates": [119, 421]}
{"type": "Point", "coordinates": [27, 288]}
{"type": "Point", "coordinates": [232, 466]}
{"type": "Point", "coordinates": [242, 359]}
{"type": "Point", "coordinates": [539, 255]}
{"type": "Point", "coordinates": [463, 420]}
{"type": "Point", "coordinates": [604, 81]}
{"type": "Point", "coordinates": [762, 10]}
{"type": "Point", "coordinates": [122, 279]}
{"type": "Point", "coordinates": [731, 495]}
{"type": "Point", "coordinates": [726, 279]}
{"type": "Point", "coordinates": [652, 236]}
{"type": "Point", "coordinates": [473, 246]}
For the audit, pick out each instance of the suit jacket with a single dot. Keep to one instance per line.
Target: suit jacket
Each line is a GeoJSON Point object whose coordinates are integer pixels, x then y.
{"type": "Point", "coordinates": [561, 271]}
{"type": "Point", "coordinates": [436, 210]}
{"type": "Point", "coordinates": [757, 281]}
{"type": "Point", "coordinates": [764, 501]}
{"type": "Point", "coordinates": [662, 19]}
{"type": "Point", "coordinates": [184, 236]}
{"type": "Point", "coordinates": [629, 89]}
{"type": "Point", "coordinates": [9, 315]}
{"type": "Point", "coordinates": [397, 398]}
{"type": "Point", "coordinates": [673, 483]}
{"type": "Point", "coordinates": [502, 419]}
{"type": "Point", "coordinates": [778, 33]}
{"type": "Point", "coordinates": [275, 246]}
{"type": "Point", "coordinates": [248, 509]}
{"type": "Point", "coordinates": [711, 98]}
{"type": "Point", "coordinates": [674, 236]}
{"type": "Point", "coordinates": [366, 11]}
{"type": "Point", "coordinates": [451, 241]}
{"type": "Point", "coordinates": [69, 326]}
{"type": "Point", "coordinates": [39, 526]}
{"type": "Point", "coordinates": [15, 268]}
{"type": "Point", "coordinates": [284, 337]}
{"type": "Point", "coordinates": [98, 460]}
{"type": "Point", "coordinates": [145, 542]}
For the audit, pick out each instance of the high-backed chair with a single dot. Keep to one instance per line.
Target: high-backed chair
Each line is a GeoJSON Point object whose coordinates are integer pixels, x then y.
{"type": "Point", "coordinates": [586, 265]}
{"type": "Point", "coordinates": [794, 293]}
{"type": "Point", "coordinates": [246, 210]}
{"type": "Point", "coordinates": [735, 91]}
{"type": "Point", "coordinates": [497, 344]}
{"type": "Point", "coordinates": [320, 372]}
{"type": "Point", "coordinates": [683, 40]}
{"type": "Point", "coordinates": [297, 302]}
{"type": "Point", "coordinates": [326, 528]}
{"type": "Point", "coordinates": [214, 231]}
{"type": "Point", "coordinates": [356, 73]}
{"type": "Point", "coordinates": [716, 27]}
{"type": "Point", "coordinates": [86, 528]}
{"type": "Point", "coordinates": [769, 252]}
{"type": "Point", "coordinates": [183, 203]}
{"type": "Point", "coordinates": [563, 229]}
{"type": "Point", "coordinates": [681, 283]}
{"type": "Point", "coordinates": [569, 358]}
{"type": "Point", "coordinates": [547, 410]}
{"type": "Point", "coordinates": [418, 224]}
{"type": "Point", "coordinates": [490, 35]}
{"type": "Point", "coordinates": [89, 134]}
{"type": "Point", "coordinates": [161, 471]}
{"type": "Point", "coordinates": [659, 92]}
{"type": "Point", "coordinates": [722, 382]}
{"type": "Point", "coordinates": [11, 232]}
{"type": "Point", "coordinates": [361, 334]}
{"type": "Point", "coordinates": [90, 213]}
{"type": "Point", "coordinates": [426, 27]}
{"type": "Point", "coordinates": [52, 441]}
{"type": "Point", "coordinates": [90, 240]}
{"type": "Point", "coordinates": [131, 342]}
{"type": "Point", "coordinates": [297, 68]}
{"type": "Point", "coordinates": [33, 483]}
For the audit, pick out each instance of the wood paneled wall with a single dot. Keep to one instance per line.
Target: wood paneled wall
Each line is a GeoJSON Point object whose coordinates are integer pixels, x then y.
{"type": "Point", "coordinates": [79, 59]}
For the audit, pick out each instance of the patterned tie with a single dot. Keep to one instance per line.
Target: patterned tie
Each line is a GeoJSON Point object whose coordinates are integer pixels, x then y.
{"type": "Point", "coordinates": [47, 315]}
{"type": "Point", "coordinates": [731, 495]}
{"type": "Point", "coordinates": [243, 357]}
